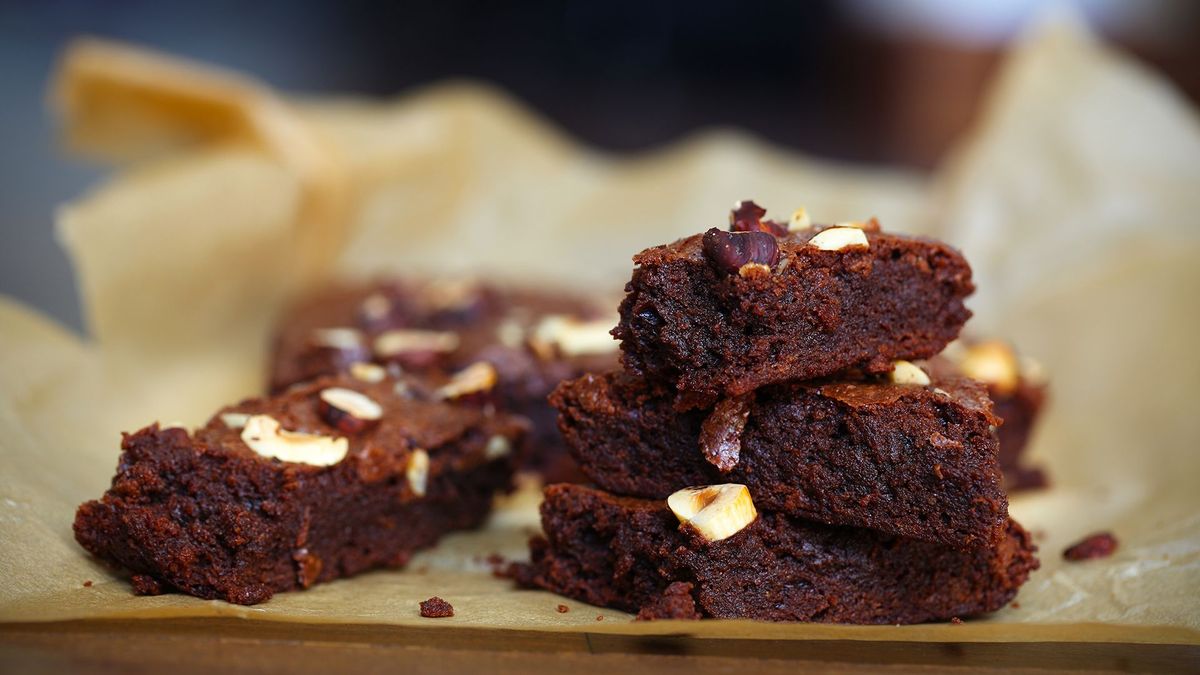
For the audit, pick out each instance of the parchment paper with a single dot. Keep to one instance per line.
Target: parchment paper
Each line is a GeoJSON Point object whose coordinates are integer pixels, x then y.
{"type": "Point", "coordinates": [1075, 199]}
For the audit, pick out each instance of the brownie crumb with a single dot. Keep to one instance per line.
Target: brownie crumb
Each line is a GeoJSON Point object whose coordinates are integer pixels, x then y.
{"type": "Point", "coordinates": [956, 621]}
{"type": "Point", "coordinates": [87, 584]}
{"type": "Point", "coordinates": [145, 585]}
{"type": "Point", "coordinates": [599, 617]}
{"type": "Point", "coordinates": [1098, 545]}
{"type": "Point", "coordinates": [562, 609]}
{"type": "Point", "coordinates": [1015, 605]}
{"type": "Point", "coordinates": [436, 608]}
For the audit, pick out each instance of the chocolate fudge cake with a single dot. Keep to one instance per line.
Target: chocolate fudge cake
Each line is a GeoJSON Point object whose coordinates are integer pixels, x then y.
{"type": "Point", "coordinates": [722, 313]}
{"type": "Point", "coordinates": [680, 560]}
{"type": "Point", "coordinates": [533, 339]}
{"type": "Point", "coordinates": [1017, 387]}
{"type": "Point", "coordinates": [333, 477]}
{"type": "Point", "coordinates": [915, 459]}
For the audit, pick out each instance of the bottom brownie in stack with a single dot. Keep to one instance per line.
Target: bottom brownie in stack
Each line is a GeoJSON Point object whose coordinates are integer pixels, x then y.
{"type": "Point", "coordinates": [727, 561]}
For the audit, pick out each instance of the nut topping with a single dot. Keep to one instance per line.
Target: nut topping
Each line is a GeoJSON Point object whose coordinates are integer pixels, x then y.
{"type": "Point", "coordinates": [728, 251]}
{"type": "Point", "coordinates": [348, 411]}
{"type": "Point", "coordinates": [721, 432]}
{"type": "Point", "coordinates": [263, 435]}
{"type": "Point", "coordinates": [475, 378]}
{"type": "Point", "coordinates": [750, 270]}
{"type": "Point", "coordinates": [343, 339]}
{"type": "Point", "coordinates": [715, 511]}
{"type": "Point", "coordinates": [368, 372]}
{"type": "Point", "coordinates": [235, 420]}
{"type": "Point", "coordinates": [747, 216]}
{"type": "Point", "coordinates": [906, 372]}
{"type": "Point", "coordinates": [800, 220]}
{"type": "Point", "coordinates": [993, 363]}
{"type": "Point", "coordinates": [417, 471]}
{"type": "Point", "coordinates": [569, 336]}
{"type": "Point", "coordinates": [497, 446]}
{"type": "Point", "coordinates": [376, 307]}
{"type": "Point", "coordinates": [839, 238]}
{"type": "Point", "coordinates": [400, 341]}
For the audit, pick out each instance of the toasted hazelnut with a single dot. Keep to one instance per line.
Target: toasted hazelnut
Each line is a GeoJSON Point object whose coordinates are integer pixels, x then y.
{"type": "Point", "coordinates": [721, 431]}
{"type": "Point", "coordinates": [417, 471]}
{"type": "Point", "coordinates": [401, 341]}
{"type": "Point", "coordinates": [510, 333]}
{"type": "Point", "coordinates": [497, 446]}
{"type": "Point", "coordinates": [716, 511]}
{"type": "Point", "coordinates": [477, 377]}
{"type": "Point", "coordinates": [376, 307]}
{"type": "Point", "coordinates": [366, 371]}
{"type": "Point", "coordinates": [234, 420]}
{"type": "Point", "coordinates": [728, 251]}
{"type": "Point", "coordinates": [348, 411]}
{"type": "Point", "coordinates": [800, 220]}
{"type": "Point", "coordinates": [747, 216]}
{"type": "Point", "coordinates": [344, 339]}
{"type": "Point", "coordinates": [993, 363]}
{"type": "Point", "coordinates": [906, 372]}
{"type": "Point", "coordinates": [839, 238]}
{"type": "Point", "coordinates": [263, 435]}
{"type": "Point", "coordinates": [750, 270]}
{"type": "Point", "coordinates": [451, 294]}
{"type": "Point", "coordinates": [559, 334]}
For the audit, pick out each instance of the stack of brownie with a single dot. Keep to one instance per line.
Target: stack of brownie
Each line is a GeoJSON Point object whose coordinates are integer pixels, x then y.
{"type": "Point", "coordinates": [775, 448]}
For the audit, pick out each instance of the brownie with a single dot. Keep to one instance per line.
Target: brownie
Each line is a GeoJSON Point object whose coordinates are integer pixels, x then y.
{"type": "Point", "coordinates": [370, 481]}
{"type": "Point", "coordinates": [910, 460]}
{"type": "Point", "coordinates": [534, 339]}
{"type": "Point", "coordinates": [634, 555]}
{"type": "Point", "coordinates": [792, 310]}
{"type": "Point", "coordinates": [1017, 387]}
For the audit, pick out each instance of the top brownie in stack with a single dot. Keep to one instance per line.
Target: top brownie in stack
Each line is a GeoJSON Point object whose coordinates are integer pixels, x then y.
{"type": "Point", "coordinates": [532, 339]}
{"type": "Point", "coordinates": [723, 313]}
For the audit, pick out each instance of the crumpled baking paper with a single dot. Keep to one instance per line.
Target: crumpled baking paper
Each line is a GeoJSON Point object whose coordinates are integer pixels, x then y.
{"type": "Point", "coordinates": [1075, 198]}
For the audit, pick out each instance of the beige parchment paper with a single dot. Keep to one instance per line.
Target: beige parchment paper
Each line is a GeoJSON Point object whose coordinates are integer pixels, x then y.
{"type": "Point", "coordinates": [1076, 199]}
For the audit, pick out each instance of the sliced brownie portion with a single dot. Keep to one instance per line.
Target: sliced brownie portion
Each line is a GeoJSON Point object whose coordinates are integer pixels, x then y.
{"type": "Point", "coordinates": [533, 339]}
{"type": "Point", "coordinates": [327, 480]}
{"type": "Point", "coordinates": [1018, 389]}
{"type": "Point", "coordinates": [723, 313]}
{"type": "Point", "coordinates": [634, 555]}
{"type": "Point", "coordinates": [907, 459]}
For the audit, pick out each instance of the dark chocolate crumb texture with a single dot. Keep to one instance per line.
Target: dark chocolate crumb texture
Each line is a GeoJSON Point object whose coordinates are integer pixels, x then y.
{"type": "Point", "coordinates": [329, 479]}
{"type": "Point", "coordinates": [722, 313]}
{"type": "Point", "coordinates": [534, 340]}
{"type": "Point", "coordinates": [678, 560]}
{"type": "Point", "coordinates": [915, 458]}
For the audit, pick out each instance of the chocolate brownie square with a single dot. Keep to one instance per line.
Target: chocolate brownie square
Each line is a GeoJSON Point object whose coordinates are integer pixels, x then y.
{"type": "Point", "coordinates": [914, 460]}
{"type": "Point", "coordinates": [722, 313]}
{"type": "Point", "coordinates": [331, 478]}
{"type": "Point", "coordinates": [533, 339]}
{"type": "Point", "coordinates": [635, 555]}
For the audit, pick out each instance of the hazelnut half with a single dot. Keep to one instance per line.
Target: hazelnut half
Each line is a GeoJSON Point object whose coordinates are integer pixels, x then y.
{"type": "Point", "coordinates": [417, 471]}
{"type": "Point", "coordinates": [906, 372]}
{"type": "Point", "coordinates": [402, 341]}
{"type": "Point", "coordinates": [366, 371]}
{"type": "Point", "coordinates": [993, 363]}
{"type": "Point", "coordinates": [839, 238]}
{"type": "Point", "coordinates": [728, 251]}
{"type": "Point", "coordinates": [342, 339]}
{"type": "Point", "coordinates": [348, 411]}
{"type": "Point", "coordinates": [263, 435]}
{"type": "Point", "coordinates": [715, 511]}
{"type": "Point", "coordinates": [566, 335]}
{"type": "Point", "coordinates": [476, 378]}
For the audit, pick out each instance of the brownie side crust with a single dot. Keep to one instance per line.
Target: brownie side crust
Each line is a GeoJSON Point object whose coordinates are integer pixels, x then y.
{"type": "Point", "coordinates": [633, 555]}
{"type": "Point", "coordinates": [814, 314]}
{"type": "Point", "coordinates": [914, 461]}
{"type": "Point", "coordinates": [204, 514]}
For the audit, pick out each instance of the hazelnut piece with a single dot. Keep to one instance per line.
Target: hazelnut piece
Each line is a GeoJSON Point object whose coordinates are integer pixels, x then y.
{"type": "Point", "coordinates": [906, 372]}
{"type": "Point", "coordinates": [839, 238]}
{"type": "Point", "coordinates": [348, 411]}
{"type": "Point", "coordinates": [497, 446]}
{"type": "Point", "coordinates": [566, 335]}
{"type": "Point", "coordinates": [366, 371]}
{"type": "Point", "coordinates": [476, 378]}
{"type": "Point", "coordinates": [715, 511]}
{"type": "Point", "coordinates": [402, 341]}
{"type": "Point", "coordinates": [235, 420]}
{"type": "Point", "coordinates": [747, 216]}
{"type": "Point", "coordinates": [417, 471]}
{"type": "Point", "coordinates": [728, 251]}
{"type": "Point", "coordinates": [263, 435]}
{"type": "Point", "coordinates": [993, 363]}
{"type": "Point", "coordinates": [342, 339]}
{"type": "Point", "coordinates": [800, 220]}
{"type": "Point", "coordinates": [721, 432]}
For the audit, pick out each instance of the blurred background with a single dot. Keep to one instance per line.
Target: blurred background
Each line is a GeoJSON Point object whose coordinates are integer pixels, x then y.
{"type": "Point", "coordinates": [868, 81]}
